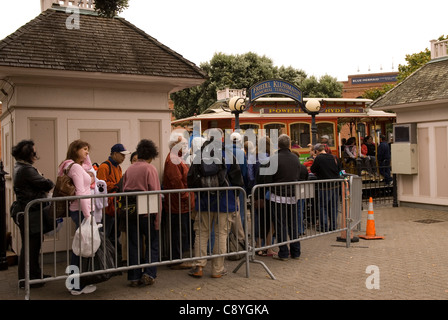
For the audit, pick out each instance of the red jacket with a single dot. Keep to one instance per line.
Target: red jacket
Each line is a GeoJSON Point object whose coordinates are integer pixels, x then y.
{"type": "Point", "coordinates": [175, 177]}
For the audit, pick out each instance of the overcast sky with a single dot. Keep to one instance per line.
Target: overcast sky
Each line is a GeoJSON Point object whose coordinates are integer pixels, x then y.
{"type": "Point", "coordinates": [334, 37]}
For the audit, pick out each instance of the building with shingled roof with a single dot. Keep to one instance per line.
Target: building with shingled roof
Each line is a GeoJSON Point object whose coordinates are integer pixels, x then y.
{"type": "Point", "coordinates": [421, 100]}
{"type": "Point", "coordinates": [71, 74]}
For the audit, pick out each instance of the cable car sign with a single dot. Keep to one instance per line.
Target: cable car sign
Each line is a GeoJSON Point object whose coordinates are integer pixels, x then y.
{"type": "Point", "coordinates": [282, 87]}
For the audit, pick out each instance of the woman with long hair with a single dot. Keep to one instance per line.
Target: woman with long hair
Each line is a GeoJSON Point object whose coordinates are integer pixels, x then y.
{"type": "Point", "coordinates": [79, 162]}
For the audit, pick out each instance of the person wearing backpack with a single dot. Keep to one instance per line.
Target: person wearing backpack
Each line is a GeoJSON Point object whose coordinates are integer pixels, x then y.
{"type": "Point", "coordinates": [110, 171]}
{"type": "Point", "coordinates": [215, 209]}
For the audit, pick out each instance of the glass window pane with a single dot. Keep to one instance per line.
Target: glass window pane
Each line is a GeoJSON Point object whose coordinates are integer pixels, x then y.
{"type": "Point", "coordinates": [326, 129]}
{"type": "Point", "coordinates": [277, 126]}
{"type": "Point", "coordinates": [300, 134]}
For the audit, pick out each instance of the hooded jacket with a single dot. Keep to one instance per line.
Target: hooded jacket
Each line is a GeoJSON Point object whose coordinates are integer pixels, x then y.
{"type": "Point", "coordinates": [82, 181]}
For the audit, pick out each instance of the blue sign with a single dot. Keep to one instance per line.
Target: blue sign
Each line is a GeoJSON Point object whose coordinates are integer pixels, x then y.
{"type": "Point", "coordinates": [275, 87]}
{"type": "Point", "coordinates": [361, 80]}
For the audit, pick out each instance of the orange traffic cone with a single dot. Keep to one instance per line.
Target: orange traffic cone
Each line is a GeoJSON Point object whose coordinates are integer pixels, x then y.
{"type": "Point", "coordinates": [370, 230]}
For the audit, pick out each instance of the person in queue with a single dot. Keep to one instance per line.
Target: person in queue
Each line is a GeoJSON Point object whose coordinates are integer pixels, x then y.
{"type": "Point", "coordinates": [29, 185]}
{"type": "Point", "coordinates": [143, 176]}
{"type": "Point", "coordinates": [79, 160]}
{"type": "Point", "coordinates": [178, 205]}
{"type": "Point", "coordinates": [283, 206]}
{"type": "Point", "coordinates": [215, 212]}
{"type": "Point", "coordinates": [326, 166]}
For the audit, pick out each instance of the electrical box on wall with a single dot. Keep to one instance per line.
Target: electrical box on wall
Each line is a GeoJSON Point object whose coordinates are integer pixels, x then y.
{"type": "Point", "coordinates": [404, 158]}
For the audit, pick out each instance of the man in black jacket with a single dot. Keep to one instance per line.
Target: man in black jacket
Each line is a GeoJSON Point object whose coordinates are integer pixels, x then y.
{"type": "Point", "coordinates": [326, 166]}
{"type": "Point", "coordinates": [283, 202]}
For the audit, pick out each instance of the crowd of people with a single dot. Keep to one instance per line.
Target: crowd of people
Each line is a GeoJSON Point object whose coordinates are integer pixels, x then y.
{"type": "Point", "coordinates": [369, 160]}
{"type": "Point", "coordinates": [222, 213]}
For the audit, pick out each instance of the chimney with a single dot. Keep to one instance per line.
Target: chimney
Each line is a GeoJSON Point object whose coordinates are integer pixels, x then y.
{"type": "Point", "coordinates": [439, 49]}
{"type": "Point", "coordinates": [82, 4]}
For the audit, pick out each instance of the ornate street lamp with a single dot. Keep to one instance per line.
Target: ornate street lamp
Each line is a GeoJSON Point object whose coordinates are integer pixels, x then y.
{"type": "Point", "coordinates": [236, 106]}
{"type": "Point", "coordinates": [312, 107]}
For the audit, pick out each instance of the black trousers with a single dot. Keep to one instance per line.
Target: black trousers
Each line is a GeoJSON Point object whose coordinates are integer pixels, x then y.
{"type": "Point", "coordinates": [35, 243]}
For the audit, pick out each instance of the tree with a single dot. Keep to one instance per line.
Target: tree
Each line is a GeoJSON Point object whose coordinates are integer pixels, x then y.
{"type": "Point", "coordinates": [414, 62]}
{"type": "Point", "coordinates": [375, 93]}
{"type": "Point", "coordinates": [326, 87]}
{"type": "Point", "coordinates": [243, 71]}
{"type": "Point", "coordinates": [110, 8]}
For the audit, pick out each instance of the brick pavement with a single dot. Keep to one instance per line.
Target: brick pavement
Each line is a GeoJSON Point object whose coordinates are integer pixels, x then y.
{"type": "Point", "coordinates": [411, 261]}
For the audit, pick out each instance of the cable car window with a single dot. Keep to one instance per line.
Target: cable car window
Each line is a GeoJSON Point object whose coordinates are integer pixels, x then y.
{"type": "Point", "coordinates": [274, 126]}
{"type": "Point", "coordinates": [300, 134]}
{"type": "Point", "coordinates": [325, 130]}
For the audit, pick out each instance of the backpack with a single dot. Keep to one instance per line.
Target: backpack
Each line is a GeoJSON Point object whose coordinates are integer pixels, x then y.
{"type": "Point", "coordinates": [211, 172]}
{"type": "Point", "coordinates": [64, 188]}
{"type": "Point", "coordinates": [110, 208]}
{"type": "Point", "coordinates": [212, 175]}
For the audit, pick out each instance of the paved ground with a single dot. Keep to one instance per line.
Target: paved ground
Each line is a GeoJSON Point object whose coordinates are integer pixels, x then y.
{"type": "Point", "coordinates": [410, 263]}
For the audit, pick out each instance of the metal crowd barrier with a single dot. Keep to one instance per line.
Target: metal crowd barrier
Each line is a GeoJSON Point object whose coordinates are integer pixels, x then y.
{"type": "Point", "coordinates": [301, 217]}
{"type": "Point", "coordinates": [147, 201]}
{"type": "Point", "coordinates": [295, 211]}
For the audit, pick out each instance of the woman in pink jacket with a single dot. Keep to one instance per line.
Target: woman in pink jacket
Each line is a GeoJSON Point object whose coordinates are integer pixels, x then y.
{"type": "Point", "coordinates": [78, 158]}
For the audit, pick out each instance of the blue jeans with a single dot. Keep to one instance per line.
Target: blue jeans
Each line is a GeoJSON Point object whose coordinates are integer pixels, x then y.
{"type": "Point", "coordinates": [328, 211]}
{"type": "Point", "coordinates": [135, 242]}
{"type": "Point", "coordinates": [300, 209]}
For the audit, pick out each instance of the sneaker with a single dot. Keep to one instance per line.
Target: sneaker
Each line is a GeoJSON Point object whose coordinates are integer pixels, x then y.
{"type": "Point", "coordinates": [87, 289]}
{"type": "Point", "coordinates": [147, 280]}
{"type": "Point", "coordinates": [135, 283]}
{"type": "Point", "coordinates": [277, 257]}
{"type": "Point", "coordinates": [220, 275]}
{"type": "Point", "coordinates": [196, 272]}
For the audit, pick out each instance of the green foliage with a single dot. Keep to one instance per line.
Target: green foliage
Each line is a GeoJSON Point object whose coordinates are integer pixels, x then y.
{"type": "Point", "coordinates": [110, 8]}
{"type": "Point", "coordinates": [325, 87]}
{"type": "Point", "coordinates": [375, 93]}
{"type": "Point", "coordinates": [243, 71]}
{"type": "Point", "coordinates": [415, 61]}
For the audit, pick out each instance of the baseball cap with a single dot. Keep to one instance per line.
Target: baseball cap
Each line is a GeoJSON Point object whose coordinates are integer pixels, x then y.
{"type": "Point", "coordinates": [119, 148]}
{"type": "Point", "coordinates": [317, 146]}
{"type": "Point", "coordinates": [325, 137]}
{"type": "Point", "coordinates": [235, 136]}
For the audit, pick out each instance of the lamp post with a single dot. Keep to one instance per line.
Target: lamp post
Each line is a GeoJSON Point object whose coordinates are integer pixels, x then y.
{"type": "Point", "coordinates": [312, 107]}
{"type": "Point", "coordinates": [237, 105]}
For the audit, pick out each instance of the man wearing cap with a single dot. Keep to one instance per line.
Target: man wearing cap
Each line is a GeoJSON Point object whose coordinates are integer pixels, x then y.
{"type": "Point", "coordinates": [110, 171]}
{"type": "Point", "coordinates": [324, 139]}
